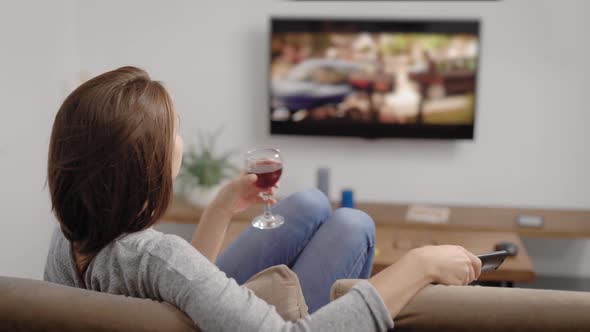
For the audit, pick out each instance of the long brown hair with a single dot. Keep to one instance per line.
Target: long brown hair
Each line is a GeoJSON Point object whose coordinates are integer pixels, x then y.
{"type": "Point", "coordinates": [110, 158]}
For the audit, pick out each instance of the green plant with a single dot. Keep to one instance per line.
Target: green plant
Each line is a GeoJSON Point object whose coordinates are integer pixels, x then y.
{"type": "Point", "coordinates": [202, 166]}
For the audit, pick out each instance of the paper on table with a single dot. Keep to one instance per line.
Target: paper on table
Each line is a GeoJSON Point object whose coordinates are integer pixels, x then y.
{"type": "Point", "coordinates": [428, 214]}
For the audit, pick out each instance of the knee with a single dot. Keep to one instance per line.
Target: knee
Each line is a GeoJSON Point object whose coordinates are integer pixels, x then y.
{"type": "Point", "coordinates": [311, 203]}
{"type": "Point", "coordinates": [355, 223]}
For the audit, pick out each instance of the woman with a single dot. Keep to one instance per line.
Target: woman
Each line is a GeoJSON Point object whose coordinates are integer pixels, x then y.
{"type": "Point", "coordinates": [113, 155]}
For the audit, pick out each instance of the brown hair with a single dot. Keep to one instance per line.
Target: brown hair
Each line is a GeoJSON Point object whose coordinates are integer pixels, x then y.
{"type": "Point", "coordinates": [110, 158]}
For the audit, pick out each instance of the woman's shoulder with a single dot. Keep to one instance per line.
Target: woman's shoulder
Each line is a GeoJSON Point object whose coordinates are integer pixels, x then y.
{"type": "Point", "coordinates": [147, 249]}
{"type": "Point", "coordinates": [148, 242]}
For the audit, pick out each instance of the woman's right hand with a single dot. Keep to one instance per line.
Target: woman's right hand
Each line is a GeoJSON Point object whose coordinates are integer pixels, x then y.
{"type": "Point", "coordinates": [448, 264]}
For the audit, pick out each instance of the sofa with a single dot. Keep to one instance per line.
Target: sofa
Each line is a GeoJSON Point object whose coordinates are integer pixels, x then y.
{"type": "Point", "coordinates": [33, 305]}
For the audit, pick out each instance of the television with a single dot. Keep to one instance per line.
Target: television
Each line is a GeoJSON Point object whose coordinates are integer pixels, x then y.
{"type": "Point", "coordinates": [373, 78]}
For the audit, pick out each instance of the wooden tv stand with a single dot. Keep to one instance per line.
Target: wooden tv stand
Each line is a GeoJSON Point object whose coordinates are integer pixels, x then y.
{"type": "Point", "coordinates": [475, 228]}
{"type": "Point", "coordinates": [557, 223]}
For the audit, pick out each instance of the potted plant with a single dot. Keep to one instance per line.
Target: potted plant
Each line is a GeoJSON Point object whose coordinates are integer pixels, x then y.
{"type": "Point", "coordinates": [203, 170]}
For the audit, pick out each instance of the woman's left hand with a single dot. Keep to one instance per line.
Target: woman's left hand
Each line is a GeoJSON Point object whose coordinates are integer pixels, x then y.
{"type": "Point", "coordinates": [241, 193]}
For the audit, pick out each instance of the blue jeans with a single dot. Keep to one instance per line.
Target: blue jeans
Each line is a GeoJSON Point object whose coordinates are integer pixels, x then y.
{"type": "Point", "coordinates": [319, 245]}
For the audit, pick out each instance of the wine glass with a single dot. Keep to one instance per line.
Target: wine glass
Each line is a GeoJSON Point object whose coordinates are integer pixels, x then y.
{"type": "Point", "coordinates": [267, 164]}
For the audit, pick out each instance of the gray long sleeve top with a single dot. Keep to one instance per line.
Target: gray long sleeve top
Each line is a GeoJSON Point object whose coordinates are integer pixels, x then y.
{"type": "Point", "coordinates": [166, 268]}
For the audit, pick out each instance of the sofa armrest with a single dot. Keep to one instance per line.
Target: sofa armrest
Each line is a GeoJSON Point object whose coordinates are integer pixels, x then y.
{"type": "Point", "coordinates": [33, 305]}
{"type": "Point", "coordinates": [475, 308]}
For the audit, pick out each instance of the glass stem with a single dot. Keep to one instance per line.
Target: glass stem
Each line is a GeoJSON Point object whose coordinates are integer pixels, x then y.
{"type": "Point", "coordinates": [267, 213]}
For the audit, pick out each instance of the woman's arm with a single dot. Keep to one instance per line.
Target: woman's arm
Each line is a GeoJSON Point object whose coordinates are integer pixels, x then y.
{"type": "Point", "coordinates": [175, 273]}
{"type": "Point", "coordinates": [234, 197]}
{"type": "Point", "coordinates": [210, 233]}
{"type": "Point", "coordinates": [448, 265]}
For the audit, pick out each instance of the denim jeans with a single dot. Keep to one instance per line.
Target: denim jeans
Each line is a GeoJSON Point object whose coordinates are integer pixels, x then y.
{"type": "Point", "coordinates": [319, 245]}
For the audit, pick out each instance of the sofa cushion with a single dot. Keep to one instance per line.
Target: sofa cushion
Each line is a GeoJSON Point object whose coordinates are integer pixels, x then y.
{"type": "Point", "coordinates": [279, 286]}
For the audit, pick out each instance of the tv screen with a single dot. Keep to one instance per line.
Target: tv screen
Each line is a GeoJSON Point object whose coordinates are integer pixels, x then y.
{"type": "Point", "coordinates": [373, 78]}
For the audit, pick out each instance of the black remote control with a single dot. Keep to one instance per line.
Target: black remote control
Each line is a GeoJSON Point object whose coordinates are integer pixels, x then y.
{"type": "Point", "coordinates": [493, 260]}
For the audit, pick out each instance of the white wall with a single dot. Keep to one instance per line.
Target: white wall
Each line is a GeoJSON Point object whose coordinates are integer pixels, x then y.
{"type": "Point", "coordinates": [530, 148]}
{"type": "Point", "coordinates": [37, 63]}
{"type": "Point", "coordinates": [530, 121]}
{"type": "Point", "coordinates": [529, 151]}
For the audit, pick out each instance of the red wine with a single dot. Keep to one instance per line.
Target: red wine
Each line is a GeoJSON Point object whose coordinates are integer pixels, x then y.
{"type": "Point", "coordinates": [268, 173]}
{"type": "Point", "coordinates": [360, 83]}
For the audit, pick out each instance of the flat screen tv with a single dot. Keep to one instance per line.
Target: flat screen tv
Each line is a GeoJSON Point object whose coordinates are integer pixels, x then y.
{"type": "Point", "coordinates": [373, 78]}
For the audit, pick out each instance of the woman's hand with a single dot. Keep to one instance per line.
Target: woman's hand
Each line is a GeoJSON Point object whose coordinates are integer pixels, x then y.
{"type": "Point", "coordinates": [447, 264]}
{"type": "Point", "coordinates": [234, 197]}
{"type": "Point", "coordinates": [241, 193]}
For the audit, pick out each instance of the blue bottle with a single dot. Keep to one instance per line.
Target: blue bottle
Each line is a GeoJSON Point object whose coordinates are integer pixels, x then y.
{"type": "Point", "coordinates": [347, 198]}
